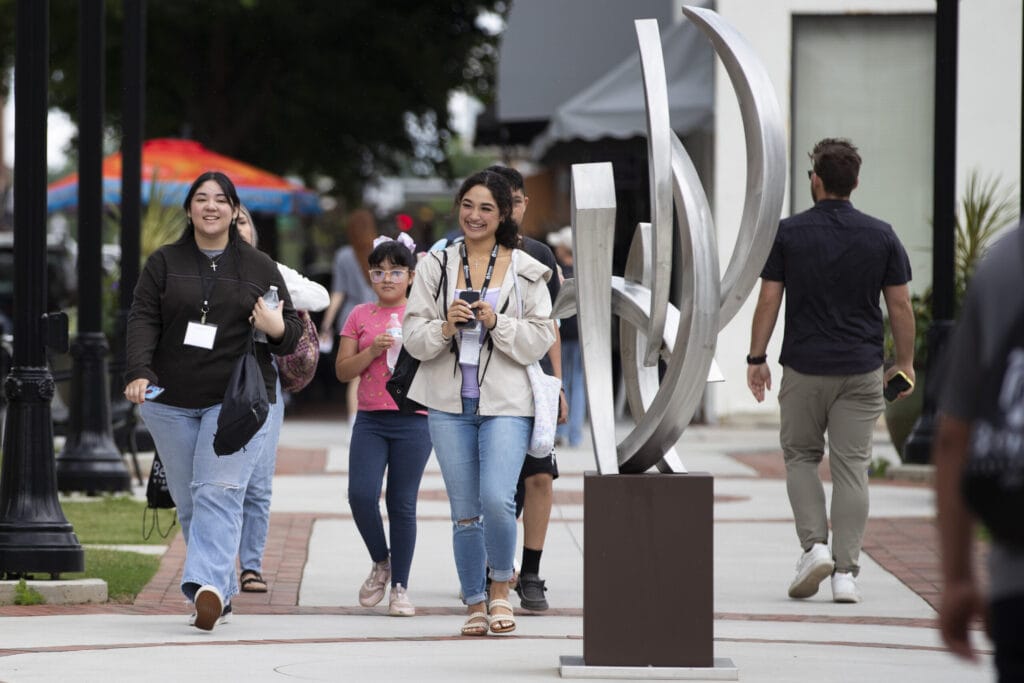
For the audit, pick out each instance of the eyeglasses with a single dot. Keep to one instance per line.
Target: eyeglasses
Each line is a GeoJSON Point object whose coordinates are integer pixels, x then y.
{"type": "Point", "coordinates": [809, 174]}
{"type": "Point", "coordinates": [377, 276]}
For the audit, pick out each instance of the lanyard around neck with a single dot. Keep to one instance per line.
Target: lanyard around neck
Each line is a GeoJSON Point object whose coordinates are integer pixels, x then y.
{"type": "Point", "coordinates": [487, 275]}
{"type": "Point", "coordinates": [208, 280]}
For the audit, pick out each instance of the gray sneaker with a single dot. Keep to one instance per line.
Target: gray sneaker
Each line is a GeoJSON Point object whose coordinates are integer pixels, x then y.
{"type": "Point", "coordinates": [531, 591]}
{"type": "Point", "coordinates": [814, 566]}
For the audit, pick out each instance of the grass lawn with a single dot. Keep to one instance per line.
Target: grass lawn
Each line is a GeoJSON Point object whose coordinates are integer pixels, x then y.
{"type": "Point", "coordinates": [116, 520]}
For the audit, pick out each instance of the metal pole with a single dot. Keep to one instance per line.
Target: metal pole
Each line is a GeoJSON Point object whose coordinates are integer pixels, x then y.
{"type": "Point", "coordinates": [34, 534]}
{"type": "Point", "coordinates": [90, 460]}
{"type": "Point", "coordinates": [917, 450]}
{"type": "Point", "coordinates": [133, 108]}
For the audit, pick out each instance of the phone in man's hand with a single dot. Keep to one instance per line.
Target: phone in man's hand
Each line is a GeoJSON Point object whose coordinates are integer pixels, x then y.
{"type": "Point", "coordinates": [896, 386]}
{"type": "Point", "coordinates": [470, 297]}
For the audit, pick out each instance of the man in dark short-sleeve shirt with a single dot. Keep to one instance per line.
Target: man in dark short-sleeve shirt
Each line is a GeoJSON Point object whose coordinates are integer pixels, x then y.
{"type": "Point", "coordinates": [833, 263]}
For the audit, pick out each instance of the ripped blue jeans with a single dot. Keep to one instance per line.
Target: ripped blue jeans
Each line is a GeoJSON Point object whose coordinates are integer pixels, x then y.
{"type": "Point", "coordinates": [480, 458]}
{"type": "Point", "coordinates": [208, 490]}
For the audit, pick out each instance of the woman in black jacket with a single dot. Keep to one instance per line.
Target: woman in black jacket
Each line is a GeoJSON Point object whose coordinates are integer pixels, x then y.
{"type": "Point", "coordinates": [195, 307]}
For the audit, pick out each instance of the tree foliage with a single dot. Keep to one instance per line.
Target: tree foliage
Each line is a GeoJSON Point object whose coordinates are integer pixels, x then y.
{"type": "Point", "coordinates": [310, 87]}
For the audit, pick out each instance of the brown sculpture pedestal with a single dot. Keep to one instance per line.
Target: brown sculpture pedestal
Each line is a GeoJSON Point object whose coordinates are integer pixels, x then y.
{"type": "Point", "coordinates": [648, 579]}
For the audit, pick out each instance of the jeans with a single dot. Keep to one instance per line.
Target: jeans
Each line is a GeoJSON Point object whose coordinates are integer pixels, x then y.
{"type": "Point", "coordinates": [207, 489]}
{"type": "Point", "coordinates": [575, 393]}
{"type": "Point", "coordinates": [387, 439]}
{"type": "Point", "coordinates": [256, 506]}
{"type": "Point", "coordinates": [480, 458]}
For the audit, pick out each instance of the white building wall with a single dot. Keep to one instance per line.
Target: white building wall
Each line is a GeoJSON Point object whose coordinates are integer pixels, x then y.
{"type": "Point", "coordinates": [989, 136]}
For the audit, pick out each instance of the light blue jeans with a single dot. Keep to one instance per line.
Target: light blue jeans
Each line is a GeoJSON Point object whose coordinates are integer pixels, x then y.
{"type": "Point", "coordinates": [207, 489]}
{"type": "Point", "coordinates": [480, 458]}
{"type": "Point", "coordinates": [575, 393]}
{"type": "Point", "coordinates": [256, 507]}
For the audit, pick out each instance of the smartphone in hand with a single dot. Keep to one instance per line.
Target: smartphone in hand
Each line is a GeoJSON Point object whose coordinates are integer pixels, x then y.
{"type": "Point", "coordinates": [470, 297]}
{"type": "Point", "coordinates": [153, 391]}
{"type": "Point", "coordinates": [896, 386]}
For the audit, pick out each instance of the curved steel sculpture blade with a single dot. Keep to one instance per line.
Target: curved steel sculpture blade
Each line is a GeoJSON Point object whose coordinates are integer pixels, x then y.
{"type": "Point", "coordinates": [650, 327]}
{"type": "Point", "coordinates": [766, 157]}
{"type": "Point", "coordinates": [659, 167]}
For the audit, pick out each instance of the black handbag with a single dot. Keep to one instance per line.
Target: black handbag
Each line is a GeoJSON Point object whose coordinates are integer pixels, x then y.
{"type": "Point", "coordinates": [400, 381]}
{"type": "Point", "coordinates": [245, 406]}
{"type": "Point", "coordinates": [406, 365]}
{"type": "Point", "coordinates": [158, 497]}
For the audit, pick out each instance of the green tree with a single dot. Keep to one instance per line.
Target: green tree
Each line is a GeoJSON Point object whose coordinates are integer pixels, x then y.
{"type": "Point", "coordinates": [307, 87]}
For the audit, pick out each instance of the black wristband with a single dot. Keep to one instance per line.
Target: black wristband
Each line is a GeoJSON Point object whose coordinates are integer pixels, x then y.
{"type": "Point", "coordinates": [757, 360]}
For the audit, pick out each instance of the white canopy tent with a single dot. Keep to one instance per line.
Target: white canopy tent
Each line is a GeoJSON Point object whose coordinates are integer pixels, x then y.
{"type": "Point", "coordinates": [613, 105]}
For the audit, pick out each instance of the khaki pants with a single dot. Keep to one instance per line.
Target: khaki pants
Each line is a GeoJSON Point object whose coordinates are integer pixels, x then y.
{"type": "Point", "coordinates": [847, 407]}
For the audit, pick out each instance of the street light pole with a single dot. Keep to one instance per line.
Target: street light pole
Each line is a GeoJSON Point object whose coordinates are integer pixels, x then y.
{"type": "Point", "coordinates": [917, 450]}
{"type": "Point", "coordinates": [34, 534]}
{"type": "Point", "coordinates": [90, 460]}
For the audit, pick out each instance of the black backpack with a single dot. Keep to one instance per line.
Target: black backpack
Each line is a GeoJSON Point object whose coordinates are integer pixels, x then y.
{"type": "Point", "coordinates": [245, 406]}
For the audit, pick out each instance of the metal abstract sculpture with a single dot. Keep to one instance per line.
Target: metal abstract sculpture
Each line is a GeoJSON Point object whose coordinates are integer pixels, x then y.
{"type": "Point", "coordinates": [650, 327]}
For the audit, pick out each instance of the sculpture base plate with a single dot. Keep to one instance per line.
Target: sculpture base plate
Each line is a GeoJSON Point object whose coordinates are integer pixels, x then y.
{"type": "Point", "coordinates": [723, 670]}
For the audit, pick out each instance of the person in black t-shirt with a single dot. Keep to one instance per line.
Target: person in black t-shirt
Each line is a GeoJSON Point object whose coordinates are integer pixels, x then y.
{"type": "Point", "coordinates": [535, 491]}
{"type": "Point", "coordinates": [833, 262]}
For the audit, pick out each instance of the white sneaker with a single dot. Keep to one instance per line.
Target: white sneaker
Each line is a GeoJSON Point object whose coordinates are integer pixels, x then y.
{"type": "Point", "coordinates": [225, 615]}
{"type": "Point", "coordinates": [844, 587]}
{"type": "Point", "coordinates": [399, 604]}
{"type": "Point", "coordinates": [209, 608]}
{"type": "Point", "coordinates": [811, 570]}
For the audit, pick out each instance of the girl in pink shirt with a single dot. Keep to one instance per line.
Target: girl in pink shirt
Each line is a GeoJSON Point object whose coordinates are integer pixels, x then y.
{"type": "Point", "coordinates": [383, 439]}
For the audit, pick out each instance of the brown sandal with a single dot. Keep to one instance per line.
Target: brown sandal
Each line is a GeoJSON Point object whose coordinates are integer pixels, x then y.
{"type": "Point", "coordinates": [252, 582]}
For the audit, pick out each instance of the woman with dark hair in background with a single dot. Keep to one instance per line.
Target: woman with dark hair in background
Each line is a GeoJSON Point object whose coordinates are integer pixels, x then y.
{"type": "Point", "coordinates": [350, 286]}
{"type": "Point", "coordinates": [196, 304]}
{"type": "Point", "coordinates": [479, 400]}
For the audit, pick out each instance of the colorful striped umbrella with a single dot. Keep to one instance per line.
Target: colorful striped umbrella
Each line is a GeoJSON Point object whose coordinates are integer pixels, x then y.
{"type": "Point", "coordinates": [175, 164]}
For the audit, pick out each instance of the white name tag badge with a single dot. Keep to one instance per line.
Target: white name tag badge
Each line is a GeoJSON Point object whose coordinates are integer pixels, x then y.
{"type": "Point", "coordinates": [469, 349]}
{"type": "Point", "coordinates": [200, 334]}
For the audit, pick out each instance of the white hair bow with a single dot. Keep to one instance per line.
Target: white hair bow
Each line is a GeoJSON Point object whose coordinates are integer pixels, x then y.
{"type": "Point", "coordinates": [402, 239]}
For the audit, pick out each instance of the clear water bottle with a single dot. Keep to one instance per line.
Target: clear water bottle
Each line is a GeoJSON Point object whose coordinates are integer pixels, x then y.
{"type": "Point", "coordinates": [272, 300]}
{"type": "Point", "coordinates": [394, 329]}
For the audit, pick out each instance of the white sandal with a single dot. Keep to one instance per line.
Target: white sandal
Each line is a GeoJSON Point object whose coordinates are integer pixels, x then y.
{"type": "Point", "coordinates": [495, 620]}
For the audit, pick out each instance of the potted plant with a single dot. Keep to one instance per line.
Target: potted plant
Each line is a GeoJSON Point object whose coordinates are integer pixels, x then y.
{"type": "Point", "coordinates": [986, 209]}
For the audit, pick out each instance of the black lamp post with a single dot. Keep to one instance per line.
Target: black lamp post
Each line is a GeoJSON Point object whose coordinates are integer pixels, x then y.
{"type": "Point", "coordinates": [90, 460]}
{"type": "Point", "coordinates": [917, 450]}
{"type": "Point", "coordinates": [34, 534]}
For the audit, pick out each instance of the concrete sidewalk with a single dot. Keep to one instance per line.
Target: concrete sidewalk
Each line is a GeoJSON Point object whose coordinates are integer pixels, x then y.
{"type": "Point", "coordinates": [310, 626]}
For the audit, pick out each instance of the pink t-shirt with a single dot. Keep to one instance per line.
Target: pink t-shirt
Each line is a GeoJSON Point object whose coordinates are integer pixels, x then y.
{"type": "Point", "coordinates": [364, 323]}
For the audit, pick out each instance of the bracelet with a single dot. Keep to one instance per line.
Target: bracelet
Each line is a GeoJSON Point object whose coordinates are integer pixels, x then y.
{"type": "Point", "coordinates": [757, 360]}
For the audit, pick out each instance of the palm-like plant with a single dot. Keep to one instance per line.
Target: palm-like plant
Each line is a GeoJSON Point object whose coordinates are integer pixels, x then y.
{"type": "Point", "coordinates": [987, 207]}
{"type": "Point", "coordinates": [985, 210]}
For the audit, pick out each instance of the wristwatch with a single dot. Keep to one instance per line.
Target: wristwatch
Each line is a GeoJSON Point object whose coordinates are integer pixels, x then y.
{"type": "Point", "coordinates": [757, 360]}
